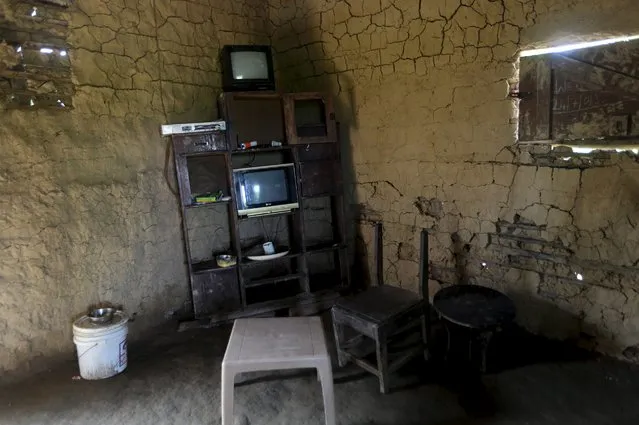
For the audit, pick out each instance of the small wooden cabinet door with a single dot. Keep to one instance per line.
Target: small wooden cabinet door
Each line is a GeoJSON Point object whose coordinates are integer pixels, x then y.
{"type": "Point", "coordinates": [309, 118]}
{"type": "Point", "coordinates": [215, 292]}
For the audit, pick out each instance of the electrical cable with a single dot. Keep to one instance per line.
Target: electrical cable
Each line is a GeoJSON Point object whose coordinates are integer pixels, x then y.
{"type": "Point", "coordinates": [250, 163]}
{"type": "Point", "coordinates": [167, 159]}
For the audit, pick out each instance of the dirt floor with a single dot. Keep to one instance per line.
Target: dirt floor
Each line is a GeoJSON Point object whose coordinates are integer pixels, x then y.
{"type": "Point", "coordinates": [176, 379]}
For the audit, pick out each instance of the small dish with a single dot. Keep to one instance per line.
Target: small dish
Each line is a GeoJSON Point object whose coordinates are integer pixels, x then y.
{"type": "Point", "coordinates": [225, 260]}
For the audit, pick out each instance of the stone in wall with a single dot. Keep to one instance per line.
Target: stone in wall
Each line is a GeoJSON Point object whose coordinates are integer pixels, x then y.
{"type": "Point", "coordinates": [8, 56]}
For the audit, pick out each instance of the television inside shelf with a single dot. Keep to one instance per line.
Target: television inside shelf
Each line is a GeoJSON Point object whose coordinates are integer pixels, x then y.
{"type": "Point", "coordinates": [265, 190]}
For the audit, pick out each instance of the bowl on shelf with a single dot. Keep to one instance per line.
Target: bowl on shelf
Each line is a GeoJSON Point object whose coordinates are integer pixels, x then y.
{"type": "Point", "coordinates": [225, 260]}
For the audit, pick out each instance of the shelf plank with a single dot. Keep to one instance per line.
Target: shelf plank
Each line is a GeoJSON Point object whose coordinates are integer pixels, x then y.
{"type": "Point", "coordinates": [208, 204]}
{"type": "Point", "coordinates": [262, 149]}
{"type": "Point", "coordinates": [300, 300]}
{"type": "Point", "coordinates": [324, 247]}
{"type": "Point", "coordinates": [275, 304]}
{"type": "Point", "coordinates": [254, 309]}
{"type": "Point", "coordinates": [272, 280]}
{"type": "Point", "coordinates": [245, 218]}
{"type": "Point", "coordinates": [315, 142]}
{"type": "Point", "coordinates": [321, 195]}
{"type": "Point", "coordinates": [209, 266]}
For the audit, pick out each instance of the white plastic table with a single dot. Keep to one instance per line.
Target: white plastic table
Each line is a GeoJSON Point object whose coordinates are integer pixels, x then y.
{"type": "Point", "coordinates": [276, 343]}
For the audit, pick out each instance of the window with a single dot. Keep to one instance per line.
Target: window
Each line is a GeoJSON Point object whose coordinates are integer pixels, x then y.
{"type": "Point", "coordinates": [584, 95]}
{"type": "Point", "coordinates": [35, 71]}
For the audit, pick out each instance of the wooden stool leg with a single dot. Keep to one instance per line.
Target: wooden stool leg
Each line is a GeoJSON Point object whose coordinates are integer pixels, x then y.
{"type": "Point", "coordinates": [484, 341]}
{"type": "Point", "coordinates": [425, 338]}
{"type": "Point", "coordinates": [448, 340]}
{"type": "Point", "coordinates": [381, 347]}
{"type": "Point", "coordinates": [338, 333]}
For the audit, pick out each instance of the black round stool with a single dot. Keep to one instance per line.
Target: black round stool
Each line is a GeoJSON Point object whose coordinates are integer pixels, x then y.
{"type": "Point", "coordinates": [480, 309]}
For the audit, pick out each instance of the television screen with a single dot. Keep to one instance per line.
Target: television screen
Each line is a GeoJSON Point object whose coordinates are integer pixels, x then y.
{"type": "Point", "coordinates": [249, 65]}
{"type": "Point", "coordinates": [265, 187]}
{"type": "Point", "coordinates": [310, 118]}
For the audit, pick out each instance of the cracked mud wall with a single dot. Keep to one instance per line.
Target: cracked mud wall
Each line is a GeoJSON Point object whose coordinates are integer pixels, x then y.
{"type": "Point", "coordinates": [429, 137]}
{"type": "Point", "coordinates": [421, 91]}
{"type": "Point", "coordinates": [87, 215]}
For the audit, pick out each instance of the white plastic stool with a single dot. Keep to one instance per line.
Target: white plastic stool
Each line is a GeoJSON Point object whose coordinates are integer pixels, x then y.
{"type": "Point", "coordinates": [276, 343]}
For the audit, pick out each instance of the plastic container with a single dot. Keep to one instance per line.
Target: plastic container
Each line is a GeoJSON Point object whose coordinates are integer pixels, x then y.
{"type": "Point", "coordinates": [268, 248]}
{"type": "Point", "coordinates": [101, 347]}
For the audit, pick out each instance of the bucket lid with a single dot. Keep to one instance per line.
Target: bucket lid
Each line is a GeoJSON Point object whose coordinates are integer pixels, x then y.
{"type": "Point", "coordinates": [84, 323]}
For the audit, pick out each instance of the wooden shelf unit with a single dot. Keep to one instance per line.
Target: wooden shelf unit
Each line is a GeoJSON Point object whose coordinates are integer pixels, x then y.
{"type": "Point", "coordinates": [221, 294]}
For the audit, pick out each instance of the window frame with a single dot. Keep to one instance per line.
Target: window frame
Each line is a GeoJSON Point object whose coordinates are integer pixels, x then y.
{"type": "Point", "coordinates": [538, 95]}
{"type": "Point", "coordinates": [38, 32]}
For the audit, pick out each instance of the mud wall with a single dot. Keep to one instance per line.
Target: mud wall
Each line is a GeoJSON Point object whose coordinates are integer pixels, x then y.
{"type": "Point", "coordinates": [87, 213]}
{"type": "Point", "coordinates": [430, 135]}
{"type": "Point", "coordinates": [429, 132]}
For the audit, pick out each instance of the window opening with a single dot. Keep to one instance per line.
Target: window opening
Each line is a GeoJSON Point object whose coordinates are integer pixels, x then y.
{"type": "Point", "coordinates": [35, 71]}
{"type": "Point", "coordinates": [581, 95]}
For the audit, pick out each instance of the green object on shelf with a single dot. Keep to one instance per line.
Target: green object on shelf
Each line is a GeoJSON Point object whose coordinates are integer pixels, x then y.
{"type": "Point", "coordinates": [207, 198]}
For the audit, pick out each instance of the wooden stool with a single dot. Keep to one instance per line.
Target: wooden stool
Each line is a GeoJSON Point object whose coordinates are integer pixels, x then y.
{"type": "Point", "coordinates": [381, 313]}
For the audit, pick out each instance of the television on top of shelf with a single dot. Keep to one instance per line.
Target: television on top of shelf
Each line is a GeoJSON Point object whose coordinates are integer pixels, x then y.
{"type": "Point", "coordinates": [264, 190]}
{"type": "Point", "coordinates": [247, 68]}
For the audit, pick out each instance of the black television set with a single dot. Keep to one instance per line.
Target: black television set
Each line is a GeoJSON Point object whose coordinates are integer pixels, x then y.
{"type": "Point", "coordinates": [247, 68]}
{"type": "Point", "coordinates": [265, 190]}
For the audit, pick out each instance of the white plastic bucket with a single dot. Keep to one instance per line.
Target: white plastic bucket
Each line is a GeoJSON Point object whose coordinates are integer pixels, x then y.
{"type": "Point", "coordinates": [101, 348]}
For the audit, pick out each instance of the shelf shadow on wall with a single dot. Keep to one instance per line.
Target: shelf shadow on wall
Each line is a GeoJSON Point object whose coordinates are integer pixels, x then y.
{"type": "Point", "coordinates": [304, 66]}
